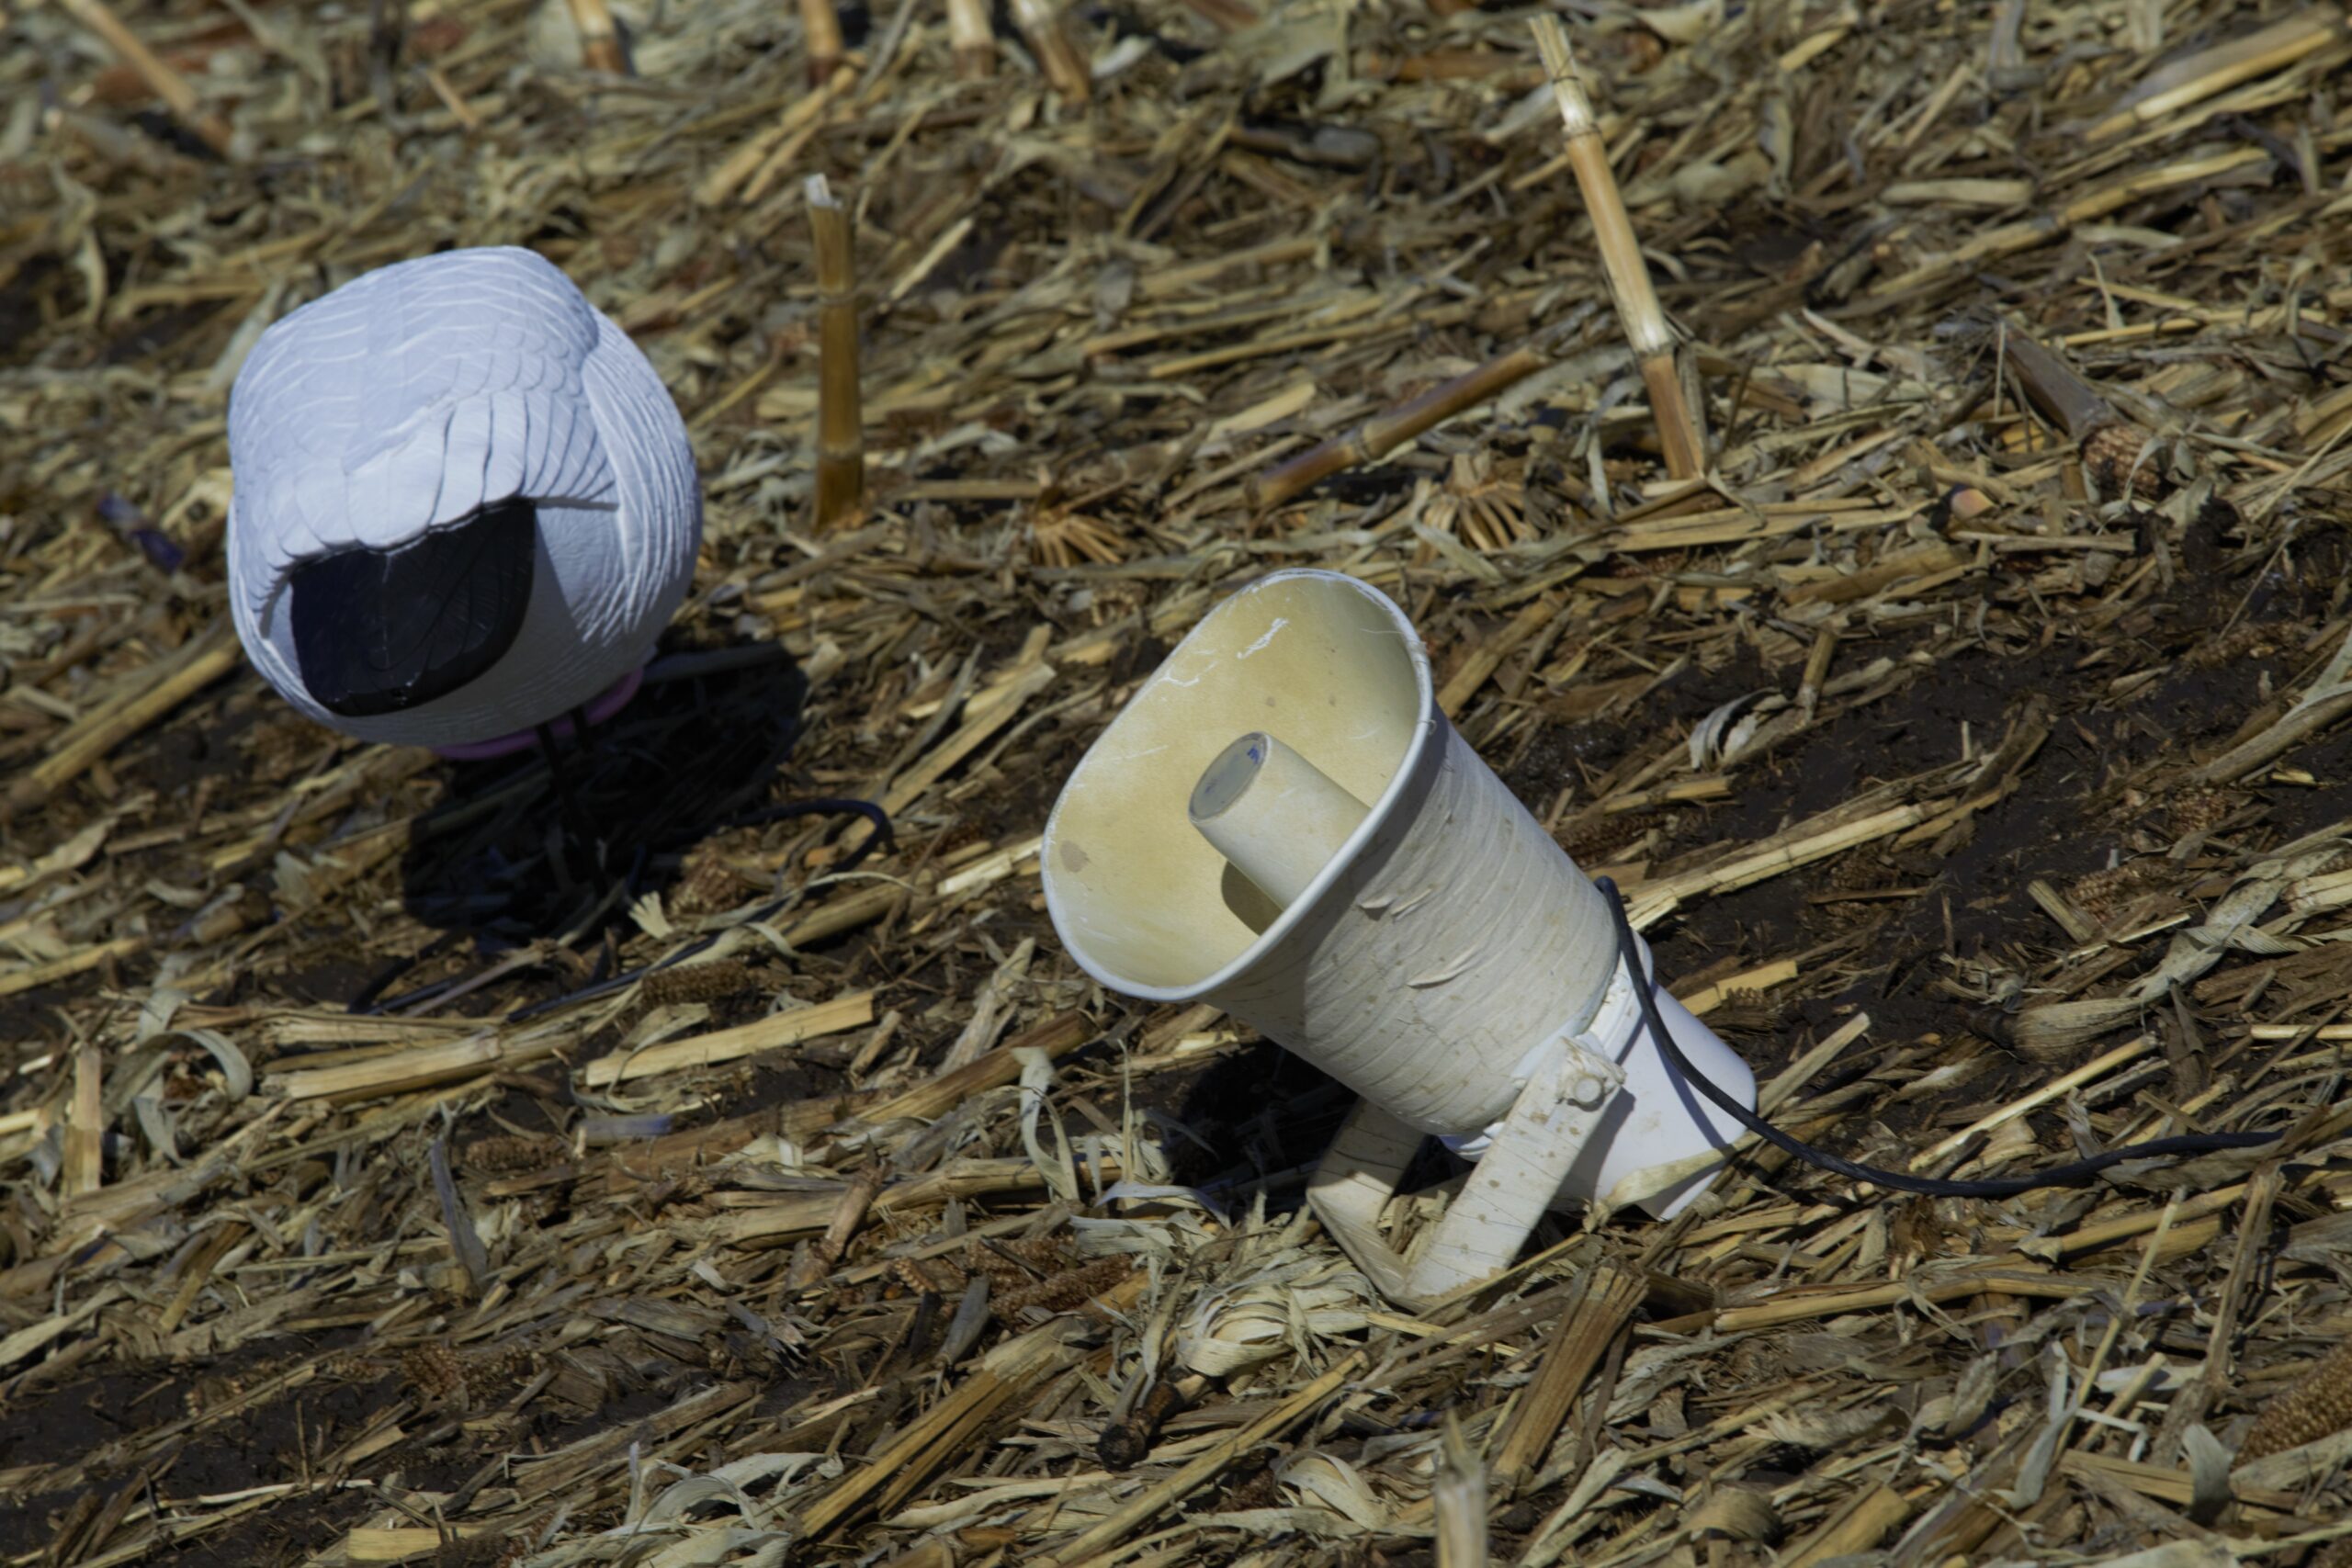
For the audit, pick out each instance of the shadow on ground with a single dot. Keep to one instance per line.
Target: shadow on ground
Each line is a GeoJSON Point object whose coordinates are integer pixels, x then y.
{"type": "Point", "coordinates": [534, 847]}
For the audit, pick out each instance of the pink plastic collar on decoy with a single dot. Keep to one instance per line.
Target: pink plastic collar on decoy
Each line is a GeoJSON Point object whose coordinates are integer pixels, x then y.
{"type": "Point", "coordinates": [613, 698]}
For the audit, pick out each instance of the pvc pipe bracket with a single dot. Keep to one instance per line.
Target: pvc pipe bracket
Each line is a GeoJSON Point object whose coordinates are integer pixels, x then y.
{"type": "Point", "coordinates": [1527, 1156]}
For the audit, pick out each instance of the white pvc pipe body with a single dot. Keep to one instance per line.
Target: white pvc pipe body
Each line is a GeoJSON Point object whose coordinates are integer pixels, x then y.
{"type": "Point", "coordinates": [1429, 958]}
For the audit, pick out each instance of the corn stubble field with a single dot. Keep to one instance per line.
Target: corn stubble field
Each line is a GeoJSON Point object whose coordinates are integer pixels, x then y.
{"type": "Point", "coordinates": [1966, 729]}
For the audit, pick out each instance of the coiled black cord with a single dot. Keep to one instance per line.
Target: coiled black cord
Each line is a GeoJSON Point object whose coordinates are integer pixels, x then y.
{"type": "Point", "coordinates": [2074, 1175]}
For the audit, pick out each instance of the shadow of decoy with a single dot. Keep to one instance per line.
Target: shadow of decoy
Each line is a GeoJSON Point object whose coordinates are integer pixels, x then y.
{"type": "Point", "coordinates": [549, 849]}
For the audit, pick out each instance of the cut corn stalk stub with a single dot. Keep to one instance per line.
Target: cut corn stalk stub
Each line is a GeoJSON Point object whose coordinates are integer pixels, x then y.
{"type": "Point", "coordinates": [841, 439]}
{"type": "Point", "coordinates": [1638, 313]}
{"type": "Point", "coordinates": [820, 26]}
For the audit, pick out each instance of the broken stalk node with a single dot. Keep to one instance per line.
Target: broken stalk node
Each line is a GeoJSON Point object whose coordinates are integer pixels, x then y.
{"type": "Point", "coordinates": [1621, 259]}
{"type": "Point", "coordinates": [840, 442]}
{"type": "Point", "coordinates": [600, 38]}
{"type": "Point", "coordinates": [821, 25]}
{"type": "Point", "coordinates": [972, 37]}
{"type": "Point", "coordinates": [1128, 1441]}
{"type": "Point", "coordinates": [2115, 452]}
{"type": "Point", "coordinates": [1041, 23]}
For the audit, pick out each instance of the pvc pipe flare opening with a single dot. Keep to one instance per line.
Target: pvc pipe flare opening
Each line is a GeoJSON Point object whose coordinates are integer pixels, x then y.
{"type": "Point", "coordinates": [1276, 817]}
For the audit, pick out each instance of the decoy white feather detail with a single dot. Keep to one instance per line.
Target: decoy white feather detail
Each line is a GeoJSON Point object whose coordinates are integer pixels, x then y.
{"type": "Point", "coordinates": [405, 402]}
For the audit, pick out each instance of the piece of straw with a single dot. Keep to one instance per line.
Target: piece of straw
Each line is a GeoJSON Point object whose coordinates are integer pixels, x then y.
{"type": "Point", "coordinates": [162, 79]}
{"type": "Point", "coordinates": [1459, 1494]}
{"type": "Point", "coordinates": [465, 1242]}
{"type": "Point", "coordinates": [973, 39]}
{"type": "Point", "coordinates": [901, 1462]}
{"type": "Point", "coordinates": [1122, 1522]}
{"type": "Point", "coordinates": [1041, 23]}
{"type": "Point", "coordinates": [137, 702]}
{"type": "Point", "coordinates": [856, 1198]}
{"type": "Point", "coordinates": [1386, 431]}
{"type": "Point", "coordinates": [1602, 1303]}
{"type": "Point", "coordinates": [840, 442]}
{"type": "Point", "coordinates": [1233, 16]}
{"type": "Point", "coordinates": [1853, 1528]}
{"type": "Point", "coordinates": [1620, 258]}
{"type": "Point", "coordinates": [600, 39]}
{"type": "Point", "coordinates": [2199, 76]}
{"type": "Point", "coordinates": [2067, 400]}
{"type": "Point", "coordinates": [85, 1127]}
{"type": "Point", "coordinates": [822, 27]}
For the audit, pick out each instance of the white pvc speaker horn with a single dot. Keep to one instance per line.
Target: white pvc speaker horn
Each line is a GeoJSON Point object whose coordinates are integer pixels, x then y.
{"type": "Point", "coordinates": [1282, 823]}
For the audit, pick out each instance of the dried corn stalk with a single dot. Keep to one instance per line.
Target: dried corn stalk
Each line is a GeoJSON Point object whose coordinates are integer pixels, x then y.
{"type": "Point", "coordinates": [841, 439]}
{"type": "Point", "coordinates": [1282, 1307]}
{"type": "Point", "coordinates": [1620, 258]}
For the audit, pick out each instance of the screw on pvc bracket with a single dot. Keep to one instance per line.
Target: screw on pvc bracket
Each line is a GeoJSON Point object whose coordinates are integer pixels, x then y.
{"type": "Point", "coordinates": [1587, 1078]}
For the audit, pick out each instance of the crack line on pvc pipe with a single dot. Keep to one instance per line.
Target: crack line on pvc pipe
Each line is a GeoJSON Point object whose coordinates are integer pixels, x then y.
{"type": "Point", "coordinates": [1280, 622]}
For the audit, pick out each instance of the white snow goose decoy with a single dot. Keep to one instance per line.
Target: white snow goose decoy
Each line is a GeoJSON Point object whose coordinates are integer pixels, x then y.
{"type": "Point", "coordinates": [464, 507]}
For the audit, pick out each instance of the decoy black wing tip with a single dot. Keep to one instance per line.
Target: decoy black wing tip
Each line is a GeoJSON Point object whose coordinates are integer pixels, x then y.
{"type": "Point", "coordinates": [381, 631]}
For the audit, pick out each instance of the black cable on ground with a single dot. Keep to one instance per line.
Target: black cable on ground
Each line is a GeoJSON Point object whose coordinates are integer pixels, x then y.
{"type": "Point", "coordinates": [1645, 987]}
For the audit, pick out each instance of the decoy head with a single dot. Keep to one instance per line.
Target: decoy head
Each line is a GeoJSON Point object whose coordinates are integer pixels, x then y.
{"type": "Point", "coordinates": [464, 504]}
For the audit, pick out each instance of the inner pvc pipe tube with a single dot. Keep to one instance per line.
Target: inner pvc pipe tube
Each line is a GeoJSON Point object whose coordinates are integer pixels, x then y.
{"type": "Point", "coordinates": [1276, 817]}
